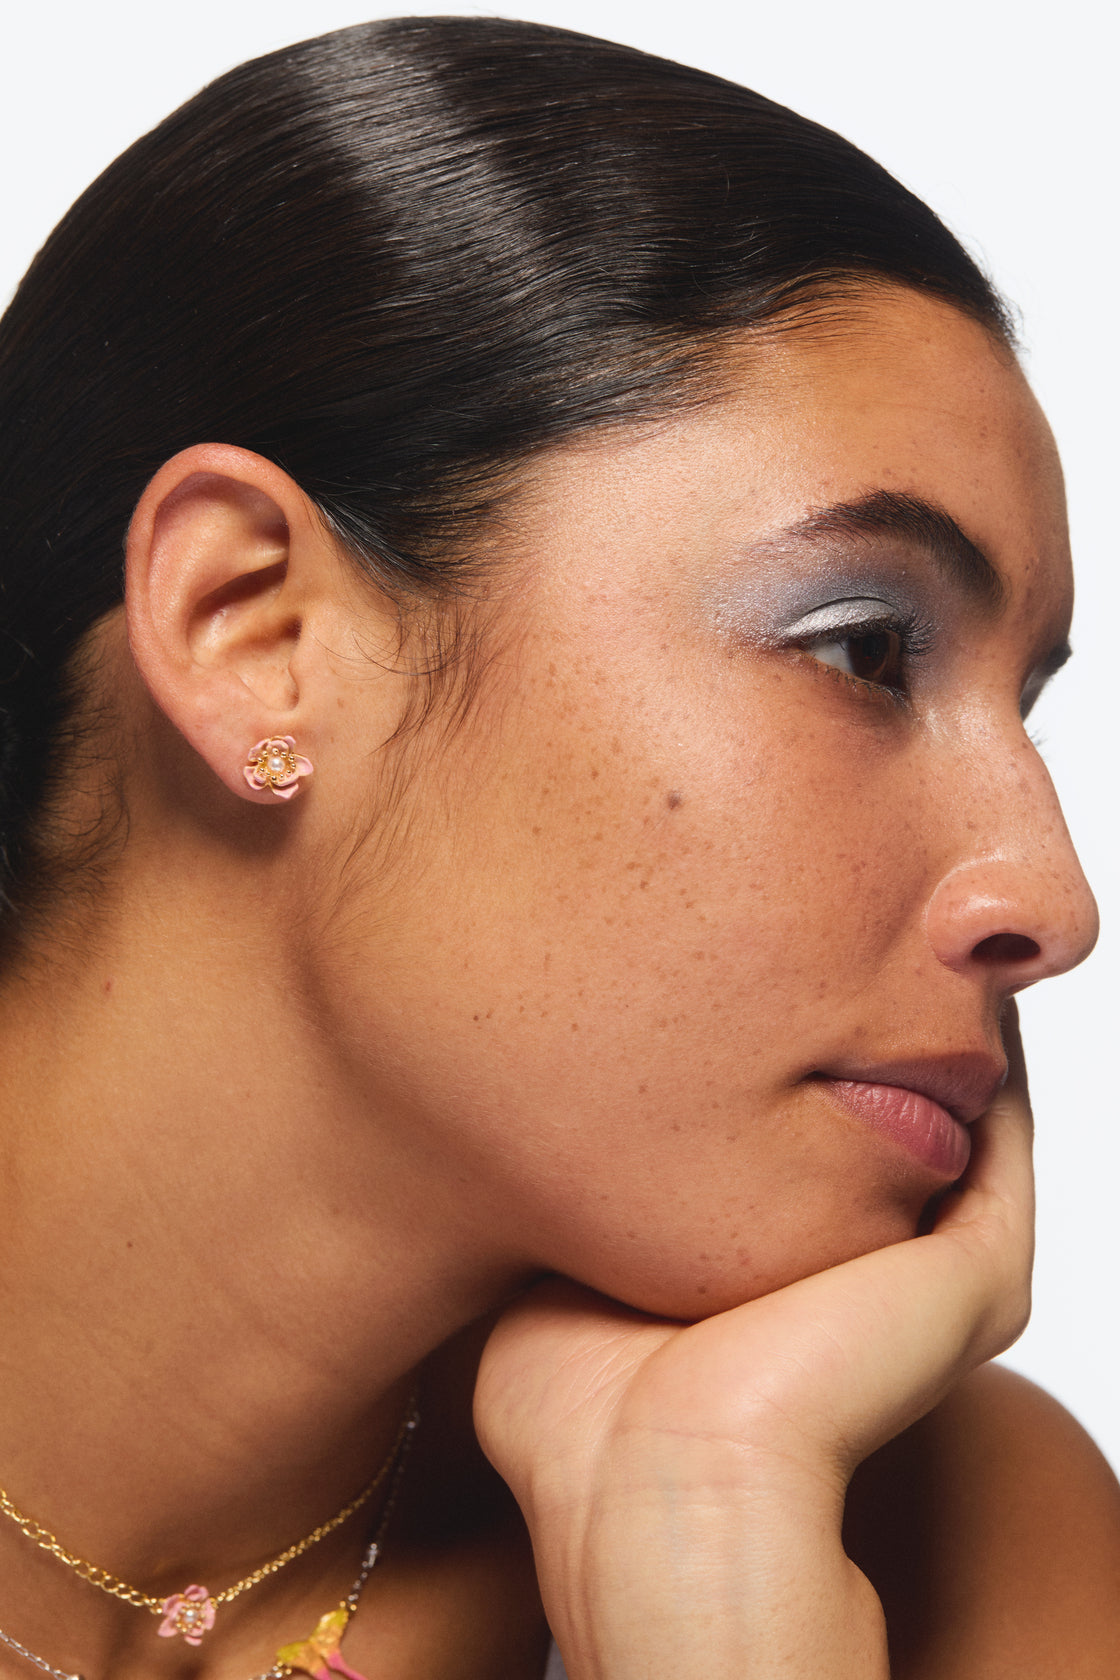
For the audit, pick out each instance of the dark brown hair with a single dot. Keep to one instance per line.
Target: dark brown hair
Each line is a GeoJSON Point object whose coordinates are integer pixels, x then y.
{"type": "Point", "coordinates": [394, 260]}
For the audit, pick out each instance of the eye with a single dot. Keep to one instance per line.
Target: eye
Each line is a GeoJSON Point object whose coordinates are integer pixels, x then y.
{"type": "Point", "coordinates": [874, 656]}
{"type": "Point", "coordinates": [873, 643]}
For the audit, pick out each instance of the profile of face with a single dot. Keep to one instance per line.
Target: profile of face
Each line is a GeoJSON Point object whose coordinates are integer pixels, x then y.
{"type": "Point", "coordinates": [742, 825]}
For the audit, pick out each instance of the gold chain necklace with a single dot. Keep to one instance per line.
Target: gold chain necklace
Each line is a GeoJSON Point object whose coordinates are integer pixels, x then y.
{"type": "Point", "coordinates": [191, 1612]}
{"type": "Point", "coordinates": [282, 1667]}
{"type": "Point", "coordinates": [319, 1653]}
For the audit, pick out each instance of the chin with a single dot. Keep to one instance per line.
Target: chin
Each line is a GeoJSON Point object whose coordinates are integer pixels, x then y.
{"type": "Point", "coordinates": [712, 1283]}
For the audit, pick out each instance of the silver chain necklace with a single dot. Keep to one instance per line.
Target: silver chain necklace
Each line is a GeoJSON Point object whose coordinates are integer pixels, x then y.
{"type": "Point", "coordinates": [280, 1670]}
{"type": "Point", "coordinates": [47, 1668]}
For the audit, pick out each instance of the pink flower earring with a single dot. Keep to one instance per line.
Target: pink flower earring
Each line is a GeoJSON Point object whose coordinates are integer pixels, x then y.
{"type": "Point", "coordinates": [275, 767]}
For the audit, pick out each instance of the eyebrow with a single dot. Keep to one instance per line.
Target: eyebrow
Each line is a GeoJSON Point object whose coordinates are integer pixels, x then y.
{"type": "Point", "coordinates": [922, 524]}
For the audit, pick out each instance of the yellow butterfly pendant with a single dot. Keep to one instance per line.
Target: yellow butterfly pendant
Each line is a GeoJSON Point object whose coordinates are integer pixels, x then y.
{"type": "Point", "coordinates": [320, 1655]}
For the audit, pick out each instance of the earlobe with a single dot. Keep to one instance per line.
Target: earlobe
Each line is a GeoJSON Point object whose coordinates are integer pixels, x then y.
{"type": "Point", "coordinates": [223, 560]}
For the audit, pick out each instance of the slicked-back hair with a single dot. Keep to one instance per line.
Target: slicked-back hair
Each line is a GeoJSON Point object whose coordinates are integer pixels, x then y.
{"type": "Point", "coordinates": [395, 260]}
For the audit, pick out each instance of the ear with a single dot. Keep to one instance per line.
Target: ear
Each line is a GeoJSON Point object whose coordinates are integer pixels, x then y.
{"type": "Point", "coordinates": [227, 564]}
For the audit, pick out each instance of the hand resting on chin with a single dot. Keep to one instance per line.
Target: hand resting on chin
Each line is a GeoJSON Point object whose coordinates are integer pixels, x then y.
{"type": "Point", "coordinates": [685, 1485]}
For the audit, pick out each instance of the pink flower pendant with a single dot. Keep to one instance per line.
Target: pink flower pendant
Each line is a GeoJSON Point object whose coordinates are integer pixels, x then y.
{"type": "Point", "coordinates": [189, 1613]}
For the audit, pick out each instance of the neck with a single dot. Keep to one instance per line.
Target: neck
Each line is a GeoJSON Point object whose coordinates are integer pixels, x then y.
{"type": "Point", "coordinates": [220, 1273]}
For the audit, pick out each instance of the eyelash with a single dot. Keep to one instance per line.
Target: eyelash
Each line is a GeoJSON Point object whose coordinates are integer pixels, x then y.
{"type": "Point", "coordinates": [913, 639]}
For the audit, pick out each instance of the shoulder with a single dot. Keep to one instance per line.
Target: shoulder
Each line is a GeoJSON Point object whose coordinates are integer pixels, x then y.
{"type": "Point", "coordinates": [991, 1531]}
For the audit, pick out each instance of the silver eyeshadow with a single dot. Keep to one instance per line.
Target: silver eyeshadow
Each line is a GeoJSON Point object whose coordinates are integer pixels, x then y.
{"type": "Point", "coordinates": [796, 588]}
{"type": "Point", "coordinates": [787, 595]}
{"type": "Point", "coordinates": [836, 617]}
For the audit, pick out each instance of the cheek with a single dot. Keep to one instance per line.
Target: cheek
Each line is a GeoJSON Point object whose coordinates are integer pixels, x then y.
{"type": "Point", "coordinates": [612, 960]}
{"type": "Point", "coordinates": [747, 872]}
{"type": "Point", "coordinates": [647, 947]}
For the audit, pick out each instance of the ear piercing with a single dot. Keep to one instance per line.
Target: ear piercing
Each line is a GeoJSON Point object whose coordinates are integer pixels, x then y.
{"type": "Point", "coordinates": [275, 767]}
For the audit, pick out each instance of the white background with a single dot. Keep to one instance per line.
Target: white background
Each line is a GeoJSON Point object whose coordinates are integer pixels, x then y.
{"type": "Point", "coordinates": [1000, 115]}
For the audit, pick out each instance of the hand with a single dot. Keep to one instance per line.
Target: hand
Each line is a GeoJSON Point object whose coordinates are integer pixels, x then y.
{"type": "Point", "coordinates": [684, 1486]}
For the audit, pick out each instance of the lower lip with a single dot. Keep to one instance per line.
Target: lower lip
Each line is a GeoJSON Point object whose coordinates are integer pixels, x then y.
{"type": "Point", "coordinates": [916, 1122]}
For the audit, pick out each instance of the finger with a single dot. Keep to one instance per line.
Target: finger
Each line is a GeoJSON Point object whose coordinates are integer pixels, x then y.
{"type": "Point", "coordinates": [995, 1200]}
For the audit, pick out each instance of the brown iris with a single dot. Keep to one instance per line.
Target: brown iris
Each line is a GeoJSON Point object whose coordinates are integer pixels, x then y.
{"type": "Point", "coordinates": [876, 657]}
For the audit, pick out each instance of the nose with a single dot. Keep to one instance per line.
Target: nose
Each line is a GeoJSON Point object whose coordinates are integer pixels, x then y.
{"type": "Point", "coordinates": [1015, 907]}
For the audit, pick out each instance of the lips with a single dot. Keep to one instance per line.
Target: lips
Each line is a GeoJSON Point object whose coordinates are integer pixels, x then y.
{"type": "Point", "coordinates": [924, 1106]}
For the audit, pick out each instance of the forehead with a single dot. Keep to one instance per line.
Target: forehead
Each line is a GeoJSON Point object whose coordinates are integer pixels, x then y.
{"type": "Point", "coordinates": [897, 387]}
{"type": "Point", "coordinates": [899, 394]}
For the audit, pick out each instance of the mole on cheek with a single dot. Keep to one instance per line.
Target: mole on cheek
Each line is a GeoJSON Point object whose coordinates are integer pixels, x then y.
{"type": "Point", "coordinates": [673, 799]}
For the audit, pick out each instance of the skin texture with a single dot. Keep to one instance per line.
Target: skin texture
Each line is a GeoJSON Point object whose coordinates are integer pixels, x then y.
{"type": "Point", "coordinates": [690, 871]}
{"type": "Point", "coordinates": [554, 982]}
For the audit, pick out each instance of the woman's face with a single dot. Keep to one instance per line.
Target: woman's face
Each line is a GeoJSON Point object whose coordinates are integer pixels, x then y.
{"type": "Point", "coordinates": [713, 900]}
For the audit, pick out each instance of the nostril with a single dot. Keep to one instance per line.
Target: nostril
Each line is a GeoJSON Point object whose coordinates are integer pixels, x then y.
{"type": "Point", "coordinates": [1006, 948]}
